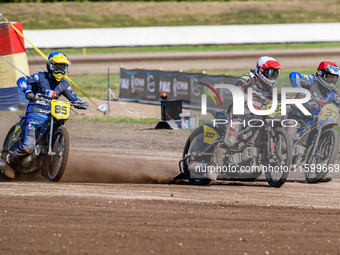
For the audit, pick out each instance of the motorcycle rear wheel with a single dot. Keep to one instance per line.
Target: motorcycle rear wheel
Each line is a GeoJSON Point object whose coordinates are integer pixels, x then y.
{"type": "Point", "coordinates": [195, 143]}
{"type": "Point", "coordinates": [279, 165]}
{"type": "Point", "coordinates": [6, 149]}
{"type": "Point", "coordinates": [6, 142]}
{"type": "Point", "coordinates": [56, 163]}
{"type": "Point", "coordinates": [325, 154]}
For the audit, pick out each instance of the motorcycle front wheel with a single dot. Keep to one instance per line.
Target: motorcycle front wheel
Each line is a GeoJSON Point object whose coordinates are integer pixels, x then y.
{"type": "Point", "coordinates": [319, 162]}
{"type": "Point", "coordinates": [279, 160]}
{"type": "Point", "coordinates": [56, 163]}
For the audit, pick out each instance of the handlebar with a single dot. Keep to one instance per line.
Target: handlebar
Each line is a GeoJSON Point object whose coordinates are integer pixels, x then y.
{"type": "Point", "coordinates": [41, 97]}
{"type": "Point", "coordinates": [75, 104]}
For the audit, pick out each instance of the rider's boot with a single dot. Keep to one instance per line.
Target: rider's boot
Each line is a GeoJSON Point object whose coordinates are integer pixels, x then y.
{"type": "Point", "coordinates": [327, 178]}
{"type": "Point", "coordinates": [13, 160]}
{"type": "Point", "coordinates": [216, 160]}
{"type": "Point", "coordinates": [212, 172]}
{"type": "Point", "coordinates": [2, 164]}
{"type": "Point", "coordinates": [6, 170]}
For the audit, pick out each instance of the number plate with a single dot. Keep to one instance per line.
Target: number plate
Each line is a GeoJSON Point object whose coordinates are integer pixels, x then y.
{"type": "Point", "coordinates": [16, 133]}
{"type": "Point", "coordinates": [60, 109]}
{"type": "Point", "coordinates": [210, 135]}
{"type": "Point", "coordinates": [328, 111]}
{"type": "Point", "coordinates": [277, 112]}
{"type": "Point", "coordinates": [329, 114]}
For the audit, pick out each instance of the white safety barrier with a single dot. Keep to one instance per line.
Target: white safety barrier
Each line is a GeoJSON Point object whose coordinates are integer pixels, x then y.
{"type": "Point", "coordinates": [183, 35]}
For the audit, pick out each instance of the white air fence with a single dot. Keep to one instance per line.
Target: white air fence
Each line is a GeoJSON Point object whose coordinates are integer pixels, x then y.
{"type": "Point", "coordinates": [183, 35]}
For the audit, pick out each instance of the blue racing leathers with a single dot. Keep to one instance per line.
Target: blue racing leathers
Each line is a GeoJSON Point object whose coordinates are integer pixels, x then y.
{"type": "Point", "coordinates": [37, 111]}
{"type": "Point", "coordinates": [320, 95]}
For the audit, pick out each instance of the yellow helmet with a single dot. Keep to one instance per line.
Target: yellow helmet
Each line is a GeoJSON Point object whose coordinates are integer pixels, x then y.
{"type": "Point", "coordinates": [57, 64]}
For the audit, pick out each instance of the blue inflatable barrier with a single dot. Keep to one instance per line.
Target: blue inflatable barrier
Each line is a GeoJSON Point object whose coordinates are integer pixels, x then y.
{"type": "Point", "coordinates": [11, 99]}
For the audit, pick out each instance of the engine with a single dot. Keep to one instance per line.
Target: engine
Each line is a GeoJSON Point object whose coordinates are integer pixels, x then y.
{"type": "Point", "coordinates": [245, 157]}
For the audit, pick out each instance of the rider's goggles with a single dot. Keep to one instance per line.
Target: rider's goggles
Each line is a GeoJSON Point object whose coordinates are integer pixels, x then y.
{"type": "Point", "coordinates": [332, 70]}
{"type": "Point", "coordinates": [330, 78]}
{"type": "Point", "coordinates": [271, 73]}
{"type": "Point", "coordinates": [59, 68]}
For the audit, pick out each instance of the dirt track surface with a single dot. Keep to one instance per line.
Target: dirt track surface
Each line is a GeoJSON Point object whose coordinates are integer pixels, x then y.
{"type": "Point", "coordinates": [40, 218]}
{"type": "Point", "coordinates": [116, 197]}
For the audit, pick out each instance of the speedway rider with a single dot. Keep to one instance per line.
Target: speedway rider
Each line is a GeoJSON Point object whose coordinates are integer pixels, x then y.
{"type": "Point", "coordinates": [262, 80]}
{"type": "Point", "coordinates": [323, 91]}
{"type": "Point", "coordinates": [51, 85]}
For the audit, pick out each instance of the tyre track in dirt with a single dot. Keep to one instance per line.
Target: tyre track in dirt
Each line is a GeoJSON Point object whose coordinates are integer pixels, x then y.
{"type": "Point", "coordinates": [234, 218]}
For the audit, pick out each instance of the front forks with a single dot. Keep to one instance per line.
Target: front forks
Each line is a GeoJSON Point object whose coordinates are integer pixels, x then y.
{"type": "Point", "coordinates": [315, 145]}
{"type": "Point", "coordinates": [50, 152]}
{"type": "Point", "coordinates": [270, 144]}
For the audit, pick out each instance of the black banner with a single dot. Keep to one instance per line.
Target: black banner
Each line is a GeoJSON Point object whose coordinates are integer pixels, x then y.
{"type": "Point", "coordinates": [147, 85]}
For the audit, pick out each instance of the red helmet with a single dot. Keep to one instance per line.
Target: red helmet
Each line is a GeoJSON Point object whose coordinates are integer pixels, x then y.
{"type": "Point", "coordinates": [327, 74]}
{"type": "Point", "coordinates": [267, 70]}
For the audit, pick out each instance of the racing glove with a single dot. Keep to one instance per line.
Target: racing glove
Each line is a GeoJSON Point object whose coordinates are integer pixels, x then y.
{"type": "Point", "coordinates": [30, 96]}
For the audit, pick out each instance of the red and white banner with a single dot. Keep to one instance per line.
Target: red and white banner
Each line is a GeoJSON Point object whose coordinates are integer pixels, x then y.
{"type": "Point", "coordinates": [10, 41]}
{"type": "Point", "coordinates": [13, 55]}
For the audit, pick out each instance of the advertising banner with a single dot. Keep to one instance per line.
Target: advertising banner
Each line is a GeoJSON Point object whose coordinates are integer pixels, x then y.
{"type": "Point", "coordinates": [138, 84]}
{"type": "Point", "coordinates": [147, 85]}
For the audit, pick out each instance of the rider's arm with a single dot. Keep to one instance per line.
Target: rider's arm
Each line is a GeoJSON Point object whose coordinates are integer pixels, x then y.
{"type": "Point", "coordinates": [69, 94]}
{"type": "Point", "coordinates": [26, 83]}
{"type": "Point", "coordinates": [243, 83]}
{"type": "Point", "coordinates": [299, 80]}
{"type": "Point", "coordinates": [336, 99]}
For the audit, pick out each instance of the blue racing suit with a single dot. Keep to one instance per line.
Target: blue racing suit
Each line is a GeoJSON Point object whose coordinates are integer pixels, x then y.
{"type": "Point", "coordinates": [320, 96]}
{"type": "Point", "coordinates": [37, 111]}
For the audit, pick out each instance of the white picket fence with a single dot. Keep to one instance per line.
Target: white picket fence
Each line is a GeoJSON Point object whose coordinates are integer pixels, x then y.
{"type": "Point", "coordinates": [183, 35]}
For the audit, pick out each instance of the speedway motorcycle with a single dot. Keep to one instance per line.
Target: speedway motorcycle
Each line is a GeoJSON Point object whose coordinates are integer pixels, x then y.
{"type": "Point", "coordinates": [51, 151]}
{"type": "Point", "coordinates": [316, 143]}
{"type": "Point", "coordinates": [263, 149]}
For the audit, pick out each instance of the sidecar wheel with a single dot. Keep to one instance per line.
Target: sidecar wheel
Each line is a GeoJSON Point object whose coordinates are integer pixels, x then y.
{"type": "Point", "coordinates": [56, 164]}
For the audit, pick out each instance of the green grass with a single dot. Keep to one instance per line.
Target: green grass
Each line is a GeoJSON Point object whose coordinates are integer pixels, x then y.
{"type": "Point", "coordinates": [126, 14]}
{"type": "Point", "coordinates": [96, 85]}
{"type": "Point", "coordinates": [120, 119]}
